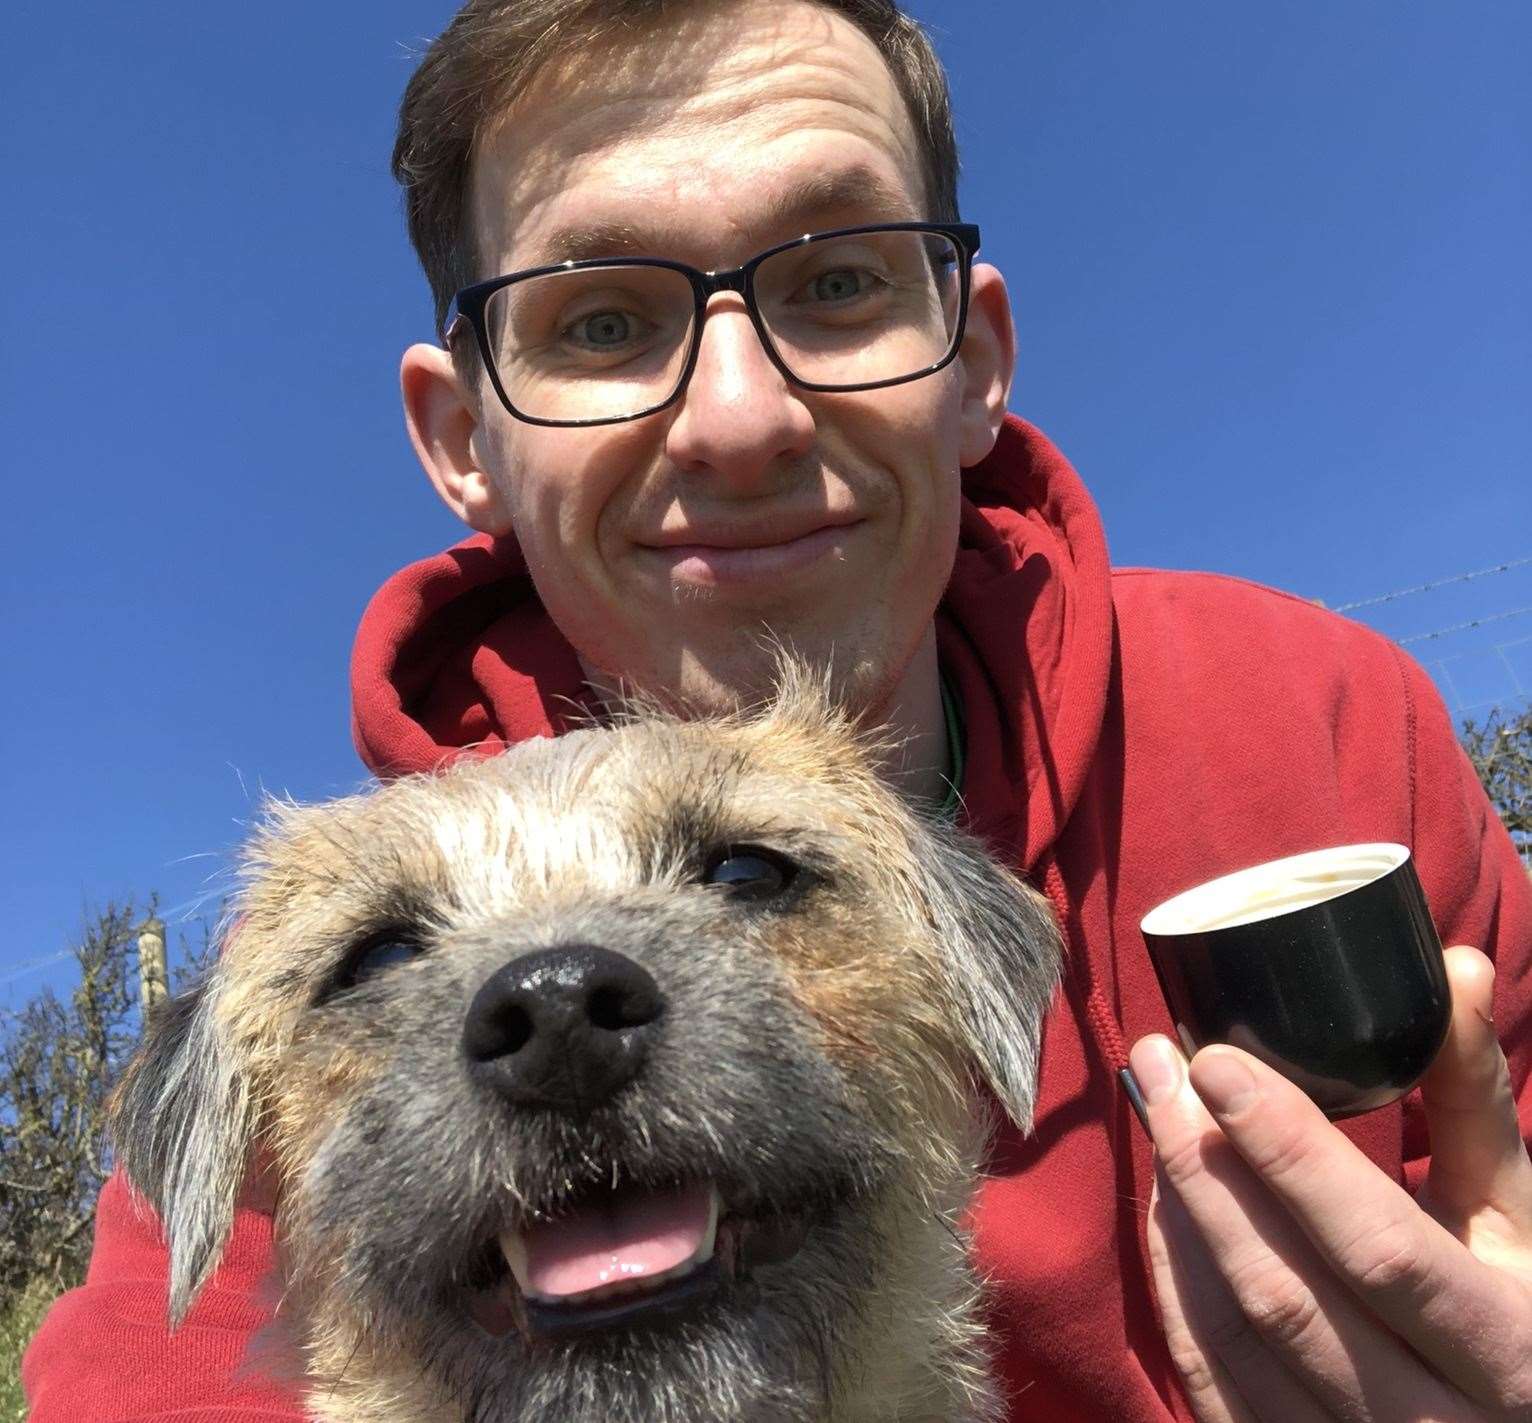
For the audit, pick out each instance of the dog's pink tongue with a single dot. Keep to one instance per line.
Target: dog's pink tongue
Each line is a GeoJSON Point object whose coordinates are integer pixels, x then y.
{"type": "Point", "coordinates": [625, 1238]}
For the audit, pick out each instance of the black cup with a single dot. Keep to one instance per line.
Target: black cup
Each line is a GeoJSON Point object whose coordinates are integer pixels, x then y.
{"type": "Point", "coordinates": [1326, 966]}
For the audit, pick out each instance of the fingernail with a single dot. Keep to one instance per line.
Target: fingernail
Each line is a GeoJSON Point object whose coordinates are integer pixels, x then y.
{"type": "Point", "coordinates": [1135, 1099]}
{"type": "Point", "coordinates": [1224, 1083]}
{"type": "Point", "coordinates": [1157, 1066]}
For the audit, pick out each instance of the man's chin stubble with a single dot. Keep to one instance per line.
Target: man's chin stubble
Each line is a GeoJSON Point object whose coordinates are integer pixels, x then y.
{"type": "Point", "coordinates": [736, 681]}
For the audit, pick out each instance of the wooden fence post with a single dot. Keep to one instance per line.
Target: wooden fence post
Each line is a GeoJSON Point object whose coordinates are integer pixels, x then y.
{"type": "Point", "coordinates": [153, 985]}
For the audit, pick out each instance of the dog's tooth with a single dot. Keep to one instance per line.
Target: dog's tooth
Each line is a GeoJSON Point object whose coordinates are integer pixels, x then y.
{"type": "Point", "coordinates": [515, 1250]}
{"type": "Point", "coordinates": [710, 1235]}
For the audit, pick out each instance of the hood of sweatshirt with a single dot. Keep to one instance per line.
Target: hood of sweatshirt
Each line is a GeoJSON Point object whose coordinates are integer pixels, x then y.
{"type": "Point", "coordinates": [457, 650]}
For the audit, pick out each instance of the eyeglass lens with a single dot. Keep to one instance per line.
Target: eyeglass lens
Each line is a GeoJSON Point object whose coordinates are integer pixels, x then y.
{"type": "Point", "coordinates": [606, 342]}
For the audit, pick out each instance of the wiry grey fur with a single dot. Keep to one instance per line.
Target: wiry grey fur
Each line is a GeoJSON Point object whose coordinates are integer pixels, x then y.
{"type": "Point", "coordinates": [189, 1122]}
{"type": "Point", "coordinates": [815, 1061]}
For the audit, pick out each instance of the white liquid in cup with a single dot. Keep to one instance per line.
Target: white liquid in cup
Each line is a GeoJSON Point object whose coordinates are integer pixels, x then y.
{"type": "Point", "coordinates": [1278, 887]}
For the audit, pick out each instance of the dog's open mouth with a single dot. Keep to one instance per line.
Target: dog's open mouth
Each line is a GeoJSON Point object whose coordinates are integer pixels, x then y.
{"type": "Point", "coordinates": [626, 1257]}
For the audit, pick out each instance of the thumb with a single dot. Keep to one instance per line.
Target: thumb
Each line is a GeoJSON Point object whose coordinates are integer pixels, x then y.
{"type": "Point", "coordinates": [1478, 1158]}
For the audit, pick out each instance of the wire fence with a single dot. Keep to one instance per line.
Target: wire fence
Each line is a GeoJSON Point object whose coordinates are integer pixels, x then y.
{"type": "Point", "coordinates": [1486, 679]}
{"type": "Point", "coordinates": [31, 966]}
{"type": "Point", "coordinates": [1476, 671]}
{"type": "Point", "coordinates": [1433, 585]}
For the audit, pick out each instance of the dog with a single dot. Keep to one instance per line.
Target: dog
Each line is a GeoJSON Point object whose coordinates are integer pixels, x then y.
{"type": "Point", "coordinates": [636, 1076]}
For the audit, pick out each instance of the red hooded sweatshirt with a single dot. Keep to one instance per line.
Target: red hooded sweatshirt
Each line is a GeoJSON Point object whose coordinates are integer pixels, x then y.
{"type": "Point", "coordinates": [1128, 734]}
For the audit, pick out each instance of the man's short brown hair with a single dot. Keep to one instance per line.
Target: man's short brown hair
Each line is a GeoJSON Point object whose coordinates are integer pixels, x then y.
{"type": "Point", "coordinates": [492, 50]}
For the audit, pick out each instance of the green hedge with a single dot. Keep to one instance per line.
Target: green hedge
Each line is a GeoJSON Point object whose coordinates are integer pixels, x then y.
{"type": "Point", "coordinates": [17, 1326]}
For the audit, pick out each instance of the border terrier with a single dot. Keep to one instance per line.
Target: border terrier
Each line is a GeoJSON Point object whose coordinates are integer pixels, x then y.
{"type": "Point", "coordinates": [636, 1076]}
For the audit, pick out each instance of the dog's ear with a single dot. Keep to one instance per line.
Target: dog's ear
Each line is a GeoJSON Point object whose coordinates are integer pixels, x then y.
{"type": "Point", "coordinates": [182, 1123]}
{"type": "Point", "coordinates": [1001, 959]}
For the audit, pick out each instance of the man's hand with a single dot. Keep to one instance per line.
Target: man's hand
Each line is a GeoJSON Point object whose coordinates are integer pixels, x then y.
{"type": "Point", "coordinates": [1298, 1283]}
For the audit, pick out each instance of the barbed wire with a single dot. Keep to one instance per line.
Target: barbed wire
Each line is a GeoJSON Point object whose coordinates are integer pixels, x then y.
{"type": "Point", "coordinates": [1464, 627]}
{"type": "Point", "coordinates": [21, 970]}
{"type": "Point", "coordinates": [1434, 584]}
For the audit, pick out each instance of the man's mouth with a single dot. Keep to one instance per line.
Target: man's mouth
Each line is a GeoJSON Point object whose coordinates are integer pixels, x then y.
{"type": "Point", "coordinates": [626, 1257]}
{"type": "Point", "coordinates": [744, 557]}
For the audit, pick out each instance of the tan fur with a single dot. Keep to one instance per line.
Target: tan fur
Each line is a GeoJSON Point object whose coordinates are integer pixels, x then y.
{"type": "Point", "coordinates": [514, 848]}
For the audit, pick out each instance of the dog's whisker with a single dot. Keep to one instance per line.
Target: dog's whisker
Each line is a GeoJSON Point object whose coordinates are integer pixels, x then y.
{"type": "Point", "coordinates": [345, 1368]}
{"type": "Point", "coordinates": [951, 1229]}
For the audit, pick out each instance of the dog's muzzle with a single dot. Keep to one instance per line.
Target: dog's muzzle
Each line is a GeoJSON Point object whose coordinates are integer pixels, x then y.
{"type": "Point", "coordinates": [562, 1030]}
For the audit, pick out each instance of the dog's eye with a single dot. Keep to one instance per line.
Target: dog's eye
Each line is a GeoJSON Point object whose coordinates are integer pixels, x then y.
{"type": "Point", "coordinates": [750, 872]}
{"type": "Point", "coordinates": [381, 952]}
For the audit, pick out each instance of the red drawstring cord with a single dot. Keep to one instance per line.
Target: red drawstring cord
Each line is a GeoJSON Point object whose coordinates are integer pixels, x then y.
{"type": "Point", "coordinates": [1103, 1023]}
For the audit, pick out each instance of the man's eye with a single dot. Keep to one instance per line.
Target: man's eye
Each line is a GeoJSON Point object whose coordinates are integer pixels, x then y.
{"type": "Point", "coordinates": [841, 285]}
{"type": "Point", "coordinates": [837, 286]}
{"type": "Point", "coordinates": [607, 330]}
{"type": "Point", "coordinates": [750, 872]}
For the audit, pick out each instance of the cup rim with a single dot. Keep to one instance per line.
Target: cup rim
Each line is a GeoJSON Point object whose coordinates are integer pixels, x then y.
{"type": "Point", "coordinates": [1225, 902]}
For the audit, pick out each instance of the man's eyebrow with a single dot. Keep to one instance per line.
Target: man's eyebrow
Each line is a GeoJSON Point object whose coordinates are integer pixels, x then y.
{"type": "Point", "coordinates": [855, 194]}
{"type": "Point", "coordinates": [862, 189]}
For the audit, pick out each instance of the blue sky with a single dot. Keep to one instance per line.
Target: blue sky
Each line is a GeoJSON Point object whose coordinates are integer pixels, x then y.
{"type": "Point", "coordinates": [1270, 272]}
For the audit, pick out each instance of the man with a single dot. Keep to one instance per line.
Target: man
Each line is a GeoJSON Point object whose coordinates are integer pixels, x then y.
{"type": "Point", "coordinates": [663, 467]}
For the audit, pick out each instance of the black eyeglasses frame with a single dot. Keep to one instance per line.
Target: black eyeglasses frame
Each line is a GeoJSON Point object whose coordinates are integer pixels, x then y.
{"type": "Point", "coordinates": [470, 303]}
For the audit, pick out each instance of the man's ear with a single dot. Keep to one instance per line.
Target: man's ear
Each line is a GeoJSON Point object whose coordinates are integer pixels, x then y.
{"type": "Point", "coordinates": [988, 360]}
{"type": "Point", "coordinates": [442, 416]}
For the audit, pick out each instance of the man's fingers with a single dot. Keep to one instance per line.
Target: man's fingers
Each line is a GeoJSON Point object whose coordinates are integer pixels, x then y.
{"type": "Point", "coordinates": [1201, 1318]}
{"type": "Point", "coordinates": [1288, 1298]}
{"type": "Point", "coordinates": [1478, 1158]}
{"type": "Point", "coordinates": [1470, 1321]}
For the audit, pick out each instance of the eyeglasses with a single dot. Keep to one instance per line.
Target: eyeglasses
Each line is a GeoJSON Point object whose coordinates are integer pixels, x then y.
{"type": "Point", "coordinates": [614, 339]}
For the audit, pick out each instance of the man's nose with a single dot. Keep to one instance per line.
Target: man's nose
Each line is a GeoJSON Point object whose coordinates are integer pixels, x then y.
{"type": "Point", "coordinates": [739, 413]}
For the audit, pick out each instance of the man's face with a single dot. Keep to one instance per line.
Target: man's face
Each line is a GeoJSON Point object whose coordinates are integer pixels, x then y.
{"type": "Point", "coordinates": [666, 547]}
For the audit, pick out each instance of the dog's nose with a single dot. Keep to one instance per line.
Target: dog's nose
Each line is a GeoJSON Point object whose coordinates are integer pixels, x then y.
{"type": "Point", "coordinates": [563, 1027]}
